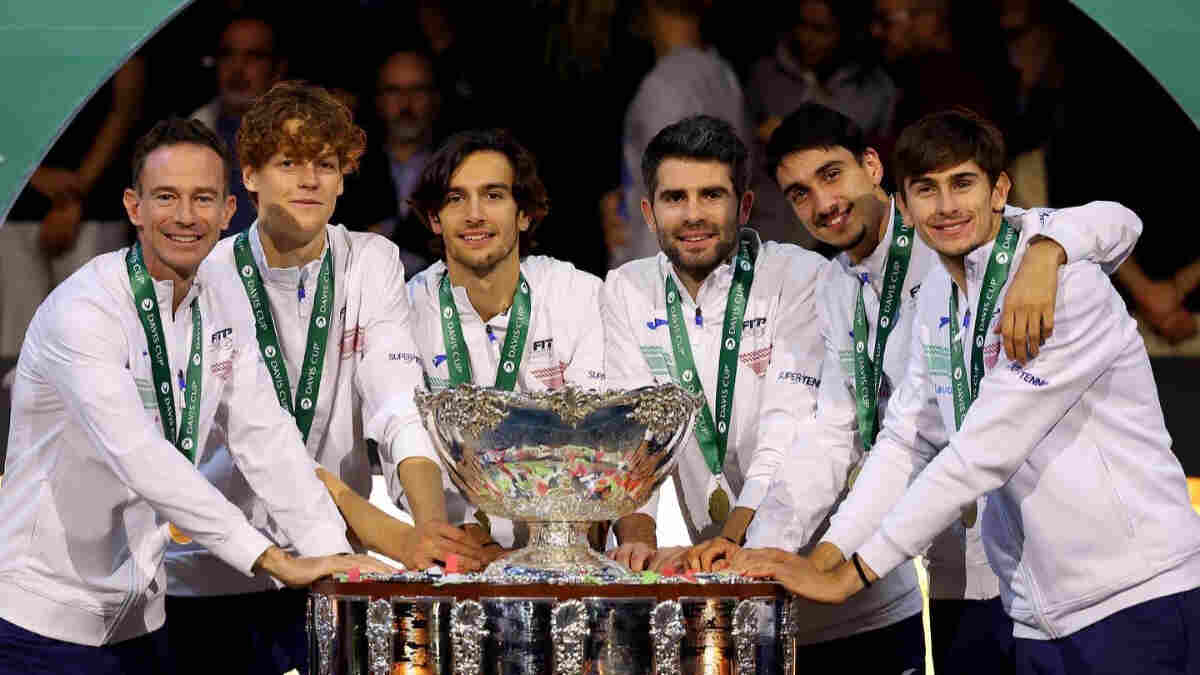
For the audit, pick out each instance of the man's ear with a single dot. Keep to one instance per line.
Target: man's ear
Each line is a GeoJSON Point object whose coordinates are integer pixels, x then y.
{"type": "Point", "coordinates": [249, 179]}
{"type": "Point", "coordinates": [648, 215]}
{"type": "Point", "coordinates": [745, 206]}
{"type": "Point", "coordinates": [434, 223]}
{"type": "Point", "coordinates": [133, 204]}
{"type": "Point", "coordinates": [1000, 192]}
{"type": "Point", "coordinates": [873, 164]}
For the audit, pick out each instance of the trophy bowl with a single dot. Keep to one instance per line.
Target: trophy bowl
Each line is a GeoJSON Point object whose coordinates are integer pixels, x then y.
{"type": "Point", "coordinates": [558, 460]}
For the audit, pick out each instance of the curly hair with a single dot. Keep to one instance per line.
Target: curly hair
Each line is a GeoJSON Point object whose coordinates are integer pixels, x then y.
{"type": "Point", "coordinates": [324, 121]}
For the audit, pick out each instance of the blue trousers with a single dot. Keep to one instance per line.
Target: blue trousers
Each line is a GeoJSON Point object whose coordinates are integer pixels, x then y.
{"type": "Point", "coordinates": [23, 652]}
{"type": "Point", "coordinates": [249, 634]}
{"type": "Point", "coordinates": [1156, 637]}
{"type": "Point", "coordinates": [892, 650]}
{"type": "Point", "coordinates": [971, 636]}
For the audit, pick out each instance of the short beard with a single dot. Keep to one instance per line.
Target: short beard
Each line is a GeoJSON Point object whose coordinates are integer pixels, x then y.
{"type": "Point", "coordinates": [700, 272]}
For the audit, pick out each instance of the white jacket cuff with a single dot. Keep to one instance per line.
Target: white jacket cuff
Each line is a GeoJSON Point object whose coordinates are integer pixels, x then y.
{"type": "Point", "coordinates": [754, 491]}
{"type": "Point", "coordinates": [242, 548]}
{"type": "Point", "coordinates": [881, 555]}
{"type": "Point", "coordinates": [325, 539]}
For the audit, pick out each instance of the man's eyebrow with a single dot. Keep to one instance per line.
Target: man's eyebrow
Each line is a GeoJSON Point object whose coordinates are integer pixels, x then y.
{"type": "Point", "coordinates": [831, 164]}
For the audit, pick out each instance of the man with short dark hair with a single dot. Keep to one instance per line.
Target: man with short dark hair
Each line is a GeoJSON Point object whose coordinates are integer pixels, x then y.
{"type": "Point", "coordinates": [128, 350]}
{"type": "Point", "coordinates": [490, 313]}
{"type": "Point", "coordinates": [832, 178]}
{"type": "Point", "coordinates": [712, 312]}
{"type": "Point", "coordinates": [1087, 521]}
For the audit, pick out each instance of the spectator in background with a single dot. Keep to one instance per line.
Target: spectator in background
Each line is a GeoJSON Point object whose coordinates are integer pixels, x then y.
{"type": "Point", "coordinates": [67, 214]}
{"type": "Point", "coordinates": [925, 51]}
{"type": "Point", "coordinates": [687, 79]}
{"type": "Point", "coordinates": [407, 103]}
{"type": "Point", "coordinates": [248, 62]}
{"type": "Point", "coordinates": [816, 60]}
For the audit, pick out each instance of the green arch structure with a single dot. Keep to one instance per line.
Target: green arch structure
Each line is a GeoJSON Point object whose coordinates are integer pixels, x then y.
{"type": "Point", "coordinates": [56, 54]}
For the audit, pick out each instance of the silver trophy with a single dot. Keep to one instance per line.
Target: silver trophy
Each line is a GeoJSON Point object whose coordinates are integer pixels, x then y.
{"type": "Point", "coordinates": [558, 460]}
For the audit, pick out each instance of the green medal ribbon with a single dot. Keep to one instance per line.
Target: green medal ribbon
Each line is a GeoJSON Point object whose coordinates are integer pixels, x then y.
{"type": "Point", "coordinates": [146, 304]}
{"type": "Point", "coordinates": [309, 386]}
{"type": "Point", "coordinates": [868, 372]}
{"type": "Point", "coordinates": [458, 361]}
{"type": "Point", "coordinates": [994, 278]}
{"type": "Point", "coordinates": [714, 440]}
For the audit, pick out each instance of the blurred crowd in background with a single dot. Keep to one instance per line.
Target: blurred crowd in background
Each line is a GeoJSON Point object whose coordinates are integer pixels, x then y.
{"type": "Point", "coordinates": [586, 83]}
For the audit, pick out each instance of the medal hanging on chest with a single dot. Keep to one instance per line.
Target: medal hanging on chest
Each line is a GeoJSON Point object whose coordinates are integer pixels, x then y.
{"type": "Point", "coordinates": [965, 391]}
{"type": "Point", "coordinates": [713, 438]}
{"type": "Point", "coordinates": [146, 304]}
{"type": "Point", "coordinates": [308, 388]}
{"type": "Point", "coordinates": [458, 361]}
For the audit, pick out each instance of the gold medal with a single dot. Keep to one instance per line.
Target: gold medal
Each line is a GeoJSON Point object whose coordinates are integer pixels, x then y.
{"type": "Point", "coordinates": [718, 505]}
{"type": "Point", "coordinates": [177, 535]}
{"type": "Point", "coordinates": [970, 515]}
{"type": "Point", "coordinates": [484, 521]}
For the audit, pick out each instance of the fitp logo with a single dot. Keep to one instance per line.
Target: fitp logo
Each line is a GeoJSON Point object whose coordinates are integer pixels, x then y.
{"type": "Point", "coordinates": [247, 271]}
{"type": "Point", "coordinates": [147, 305]}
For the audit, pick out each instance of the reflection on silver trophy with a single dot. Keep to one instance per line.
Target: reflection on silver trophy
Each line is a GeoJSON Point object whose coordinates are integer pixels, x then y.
{"type": "Point", "coordinates": [558, 460]}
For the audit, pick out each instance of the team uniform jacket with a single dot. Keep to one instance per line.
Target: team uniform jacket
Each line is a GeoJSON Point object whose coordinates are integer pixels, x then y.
{"type": "Point", "coordinates": [800, 500]}
{"type": "Point", "coordinates": [371, 369]}
{"type": "Point", "coordinates": [92, 482]}
{"type": "Point", "coordinates": [781, 310]}
{"type": "Point", "coordinates": [565, 343]}
{"type": "Point", "coordinates": [1087, 511]}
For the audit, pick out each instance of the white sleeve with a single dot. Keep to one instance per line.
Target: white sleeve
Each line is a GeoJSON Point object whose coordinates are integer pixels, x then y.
{"type": "Point", "coordinates": [818, 460]}
{"type": "Point", "coordinates": [87, 369]}
{"type": "Point", "coordinates": [1015, 409]}
{"type": "Point", "coordinates": [790, 390]}
{"type": "Point", "coordinates": [900, 452]}
{"type": "Point", "coordinates": [582, 301]}
{"type": "Point", "coordinates": [267, 448]}
{"type": "Point", "coordinates": [389, 370]}
{"type": "Point", "coordinates": [624, 365]}
{"type": "Point", "coordinates": [1100, 232]}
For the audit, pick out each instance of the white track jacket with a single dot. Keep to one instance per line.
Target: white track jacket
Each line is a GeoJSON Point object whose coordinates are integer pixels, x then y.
{"type": "Point", "coordinates": [92, 482]}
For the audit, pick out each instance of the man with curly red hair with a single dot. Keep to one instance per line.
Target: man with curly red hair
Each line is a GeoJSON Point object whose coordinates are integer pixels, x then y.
{"type": "Point", "coordinates": [332, 322]}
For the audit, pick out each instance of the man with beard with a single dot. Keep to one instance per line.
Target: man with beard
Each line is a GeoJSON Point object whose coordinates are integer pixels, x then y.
{"type": "Point", "coordinates": [334, 328]}
{"type": "Point", "coordinates": [832, 179]}
{"type": "Point", "coordinates": [706, 313]}
{"type": "Point", "coordinates": [248, 62]}
{"type": "Point", "coordinates": [94, 490]}
{"type": "Point", "coordinates": [489, 313]}
{"type": "Point", "coordinates": [1088, 524]}
{"type": "Point", "coordinates": [407, 102]}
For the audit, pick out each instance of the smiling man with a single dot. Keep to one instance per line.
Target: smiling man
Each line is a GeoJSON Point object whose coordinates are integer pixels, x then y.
{"type": "Point", "coordinates": [1087, 521]}
{"type": "Point", "coordinates": [832, 179]}
{"type": "Point", "coordinates": [333, 326]}
{"type": "Point", "coordinates": [710, 312]}
{"type": "Point", "coordinates": [132, 348]}
{"type": "Point", "coordinates": [489, 313]}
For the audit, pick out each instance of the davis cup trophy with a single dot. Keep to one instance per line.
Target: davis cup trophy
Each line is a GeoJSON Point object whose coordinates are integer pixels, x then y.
{"type": "Point", "coordinates": [558, 460]}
